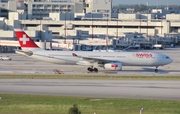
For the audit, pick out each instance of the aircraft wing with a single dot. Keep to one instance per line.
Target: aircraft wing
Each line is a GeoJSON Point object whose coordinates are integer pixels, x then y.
{"type": "Point", "coordinates": [94, 60]}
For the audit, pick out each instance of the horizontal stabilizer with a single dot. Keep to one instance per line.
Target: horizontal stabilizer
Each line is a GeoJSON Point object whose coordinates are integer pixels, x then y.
{"type": "Point", "coordinates": [26, 53]}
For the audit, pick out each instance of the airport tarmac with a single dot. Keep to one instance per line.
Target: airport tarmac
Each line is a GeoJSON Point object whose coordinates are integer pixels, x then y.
{"type": "Point", "coordinates": [167, 90]}
{"type": "Point", "coordinates": [25, 65]}
{"type": "Point", "coordinates": [164, 90]}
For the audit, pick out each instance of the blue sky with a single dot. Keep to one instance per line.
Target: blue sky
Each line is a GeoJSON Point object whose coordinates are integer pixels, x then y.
{"type": "Point", "coordinates": [151, 2]}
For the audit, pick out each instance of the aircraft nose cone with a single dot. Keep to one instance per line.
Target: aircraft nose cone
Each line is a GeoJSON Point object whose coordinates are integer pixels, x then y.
{"type": "Point", "coordinates": [170, 61]}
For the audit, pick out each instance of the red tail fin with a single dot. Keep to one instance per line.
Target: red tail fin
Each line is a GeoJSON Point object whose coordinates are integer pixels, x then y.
{"type": "Point", "coordinates": [24, 40]}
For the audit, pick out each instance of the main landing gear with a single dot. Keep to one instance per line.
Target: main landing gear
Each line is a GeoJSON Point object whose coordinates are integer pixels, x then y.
{"type": "Point", "coordinates": [92, 69]}
{"type": "Point", "coordinates": [156, 70]}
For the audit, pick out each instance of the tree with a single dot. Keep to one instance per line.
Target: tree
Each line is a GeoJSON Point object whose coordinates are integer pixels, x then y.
{"type": "Point", "coordinates": [74, 110]}
{"type": "Point", "coordinates": [142, 7]}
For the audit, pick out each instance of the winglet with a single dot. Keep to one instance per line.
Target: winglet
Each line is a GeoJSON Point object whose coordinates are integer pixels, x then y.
{"type": "Point", "coordinates": [24, 40]}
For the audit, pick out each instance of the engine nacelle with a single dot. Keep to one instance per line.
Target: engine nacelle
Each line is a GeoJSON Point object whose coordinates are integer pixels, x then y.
{"type": "Point", "coordinates": [113, 66]}
{"type": "Point", "coordinates": [86, 63]}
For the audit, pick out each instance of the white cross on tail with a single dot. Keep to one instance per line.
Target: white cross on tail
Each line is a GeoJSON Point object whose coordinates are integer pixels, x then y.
{"type": "Point", "coordinates": [24, 39]}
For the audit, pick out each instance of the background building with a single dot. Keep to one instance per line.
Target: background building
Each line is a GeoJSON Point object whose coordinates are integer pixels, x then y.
{"type": "Point", "coordinates": [82, 22]}
{"type": "Point", "coordinates": [37, 9]}
{"type": "Point", "coordinates": [99, 6]}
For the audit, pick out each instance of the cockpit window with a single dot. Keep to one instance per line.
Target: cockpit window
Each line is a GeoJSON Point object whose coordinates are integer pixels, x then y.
{"type": "Point", "coordinates": [167, 57]}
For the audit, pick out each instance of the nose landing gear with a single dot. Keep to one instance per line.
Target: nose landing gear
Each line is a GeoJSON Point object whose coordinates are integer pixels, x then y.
{"type": "Point", "coordinates": [156, 70]}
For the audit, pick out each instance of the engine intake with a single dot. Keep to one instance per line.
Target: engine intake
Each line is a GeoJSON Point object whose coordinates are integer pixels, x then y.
{"type": "Point", "coordinates": [113, 66]}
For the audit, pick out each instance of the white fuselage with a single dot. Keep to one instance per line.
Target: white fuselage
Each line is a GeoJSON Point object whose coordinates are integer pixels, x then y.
{"type": "Point", "coordinates": [126, 58]}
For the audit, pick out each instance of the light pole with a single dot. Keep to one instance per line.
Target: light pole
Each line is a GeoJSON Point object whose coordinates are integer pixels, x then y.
{"type": "Point", "coordinates": [147, 26]}
{"type": "Point", "coordinates": [92, 24]}
{"type": "Point", "coordinates": [65, 29]}
{"type": "Point", "coordinates": [117, 30]}
{"type": "Point", "coordinates": [21, 19]}
{"type": "Point", "coordinates": [40, 27]}
{"type": "Point", "coordinates": [70, 17]}
{"type": "Point", "coordinates": [157, 4]}
{"type": "Point", "coordinates": [92, 10]}
{"type": "Point", "coordinates": [140, 23]}
{"type": "Point", "coordinates": [107, 32]}
{"type": "Point", "coordinates": [161, 26]}
{"type": "Point", "coordinates": [20, 14]}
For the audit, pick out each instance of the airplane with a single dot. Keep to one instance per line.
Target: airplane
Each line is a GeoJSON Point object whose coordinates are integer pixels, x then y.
{"type": "Point", "coordinates": [107, 60]}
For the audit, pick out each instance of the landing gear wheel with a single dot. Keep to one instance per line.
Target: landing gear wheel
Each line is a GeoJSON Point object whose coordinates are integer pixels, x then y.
{"type": "Point", "coordinates": [95, 70]}
{"type": "Point", "coordinates": [90, 69]}
{"type": "Point", "coordinates": [156, 70]}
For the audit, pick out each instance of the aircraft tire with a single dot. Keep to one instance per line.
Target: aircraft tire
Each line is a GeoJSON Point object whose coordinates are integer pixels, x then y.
{"type": "Point", "coordinates": [90, 69]}
{"type": "Point", "coordinates": [156, 70]}
{"type": "Point", "coordinates": [95, 70]}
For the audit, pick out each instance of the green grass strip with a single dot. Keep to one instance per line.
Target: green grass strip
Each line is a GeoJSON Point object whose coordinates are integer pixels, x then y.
{"type": "Point", "coordinates": [38, 104]}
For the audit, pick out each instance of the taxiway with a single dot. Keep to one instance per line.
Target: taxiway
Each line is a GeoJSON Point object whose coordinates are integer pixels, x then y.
{"type": "Point", "coordinates": [164, 90]}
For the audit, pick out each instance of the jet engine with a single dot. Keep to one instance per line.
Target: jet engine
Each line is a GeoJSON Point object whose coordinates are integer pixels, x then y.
{"type": "Point", "coordinates": [113, 66]}
{"type": "Point", "coordinates": [87, 63]}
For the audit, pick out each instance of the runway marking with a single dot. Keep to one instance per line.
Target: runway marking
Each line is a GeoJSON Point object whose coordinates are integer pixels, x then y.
{"type": "Point", "coordinates": [58, 71]}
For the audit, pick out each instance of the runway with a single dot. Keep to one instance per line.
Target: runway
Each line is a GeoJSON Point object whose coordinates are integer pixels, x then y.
{"type": "Point", "coordinates": [164, 90]}
{"type": "Point", "coordinates": [26, 65]}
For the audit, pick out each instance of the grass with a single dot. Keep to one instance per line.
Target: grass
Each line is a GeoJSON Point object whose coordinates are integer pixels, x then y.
{"type": "Point", "coordinates": [37, 104]}
{"type": "Point", "coordinates": [91, 77]}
